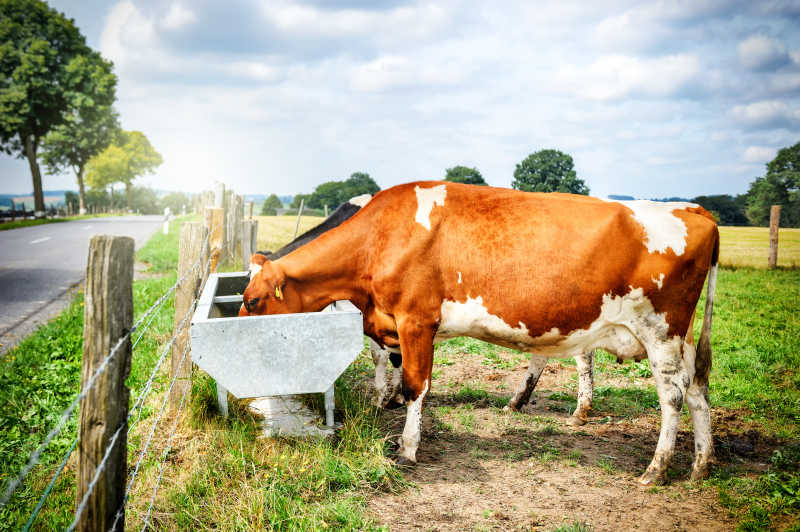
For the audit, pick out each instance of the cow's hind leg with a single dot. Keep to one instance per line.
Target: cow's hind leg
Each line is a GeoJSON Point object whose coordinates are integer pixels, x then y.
{"type": "Point", "coordinates": [416, 343]}
{"type": "Point", "coordinates": [585, 389]}
{"type": "Point", "coordinates": [523, 393]}
{"type": "Point", "coordinates": [395, 394]}
{"type": "Point", "coordinates": [672, 379]}
{"type": "Point", "coordinates": [379, 358]}
{"type": "Point", "coordinates": [697, 400]}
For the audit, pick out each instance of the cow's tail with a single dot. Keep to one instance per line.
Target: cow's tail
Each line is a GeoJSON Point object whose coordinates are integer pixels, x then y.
{"type": "Point", "coordinates": [703, 359]}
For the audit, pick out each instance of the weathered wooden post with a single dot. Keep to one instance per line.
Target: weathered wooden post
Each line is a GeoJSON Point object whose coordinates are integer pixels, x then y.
{"type": "Point", "coordinates": [249, 241]}
{"type": "Point", "coordinates": [299, 214]}
{"type": "Point", "coordinates": [215, 225]}
{"type": "Point", "coordinates": [326, 210]}
{"type": "Point", "coordinates": [13, 211]}
{"type": "Point", "coordinates": [774, 224]}
{"type": "Point", "coordinates": [251, 209]}
{"type": "Point", "coordinates": [108, 316]}
{"type": "Point", "coordinates": [189, 252]}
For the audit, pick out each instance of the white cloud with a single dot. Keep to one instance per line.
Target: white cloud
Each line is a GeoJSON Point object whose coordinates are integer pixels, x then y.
{"type": "Point", "coordinates": [125, 31]}
{"type": "Point", "coordinates": [766, 114]}
{"type": "Point", "coordinates": [758, 154]}
{"type": "Point", "coordinates": [616, 76]}
{"type": "Point", "coordinates": [178, 16]}
{"type": "Point", "coordinates": [758, 52]}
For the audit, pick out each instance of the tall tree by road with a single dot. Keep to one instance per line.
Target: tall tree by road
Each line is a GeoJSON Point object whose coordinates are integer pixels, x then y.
{"type": "Point", "coordinates": [36, 45]}
{"type": "Point", "coordinates": [464, 174]}
{"type": "Point", "coordinates": [90, 122]}
{"type": "Point", "coordinates": [548, 171]}
{"type": "Point", "coordinates": [780, 186]}
{"type": "Point", "coordinates": [129, 157]}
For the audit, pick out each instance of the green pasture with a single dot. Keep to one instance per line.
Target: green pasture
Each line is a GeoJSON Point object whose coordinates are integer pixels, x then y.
{"type": "Point", "coordinates": [220, 475]}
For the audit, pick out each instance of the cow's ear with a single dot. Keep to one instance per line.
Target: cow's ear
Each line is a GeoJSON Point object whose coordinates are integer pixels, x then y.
{"type": "Point", "coordinates": [274, 276]}
{"type": "Point", "coordinates": [256, 263]}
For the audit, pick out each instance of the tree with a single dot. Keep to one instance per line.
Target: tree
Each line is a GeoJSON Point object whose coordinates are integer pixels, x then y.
{"type": "Point", "coordinates": [90, 122]}
{"type": "Point", "coordinates": [463, 174]}
{"type": "Point", "coordinates": [548, 171]}
{"type": "Point", "coordinates": [36, 45]}
{"type": "Point", "coordinates": [780, 186]}
{"type": "Point", "coordinates": [296, 200]}
{"type": "Point", "coordinates": [175, 201]}
{"type": "Point", "coordinates": [270, 206]}
{"type": "Point", "coordinates": [123, 161]}
{"type": "Point", "coordinates": [334, 193]}
{"type": "Point", "coordinates": [731, 210]}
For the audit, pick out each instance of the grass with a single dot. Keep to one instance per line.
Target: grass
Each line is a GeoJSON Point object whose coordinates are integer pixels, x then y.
{"type": "Point", "coordinates": [16, 224]}
{"type": "Point", "coordinates": [275, 232]}
{"type": "Point", "coordinates": [749, 246]}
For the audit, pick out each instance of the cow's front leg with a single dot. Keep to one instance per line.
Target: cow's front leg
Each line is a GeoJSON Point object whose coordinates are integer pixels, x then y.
{"type": "Point", "coordinates": [523, 393]}
{"type": "Point", "coordinates": [379, 357]}
{"type": "Point", "coordinates": [585, 389]}
{"type": "Point", "coordinates": [416, 342]}
{"type": "Point", "coordinates": [672, 379]}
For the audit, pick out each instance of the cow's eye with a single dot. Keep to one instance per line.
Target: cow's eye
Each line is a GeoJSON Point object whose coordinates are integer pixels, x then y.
{"type": "Point", "coordinates": [250, 305]}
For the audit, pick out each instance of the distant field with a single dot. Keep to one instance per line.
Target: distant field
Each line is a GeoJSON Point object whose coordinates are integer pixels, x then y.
{"type": "Point", "coordinates": [275, 232]}
{"type": "Point", "coordinates": [749, 246]}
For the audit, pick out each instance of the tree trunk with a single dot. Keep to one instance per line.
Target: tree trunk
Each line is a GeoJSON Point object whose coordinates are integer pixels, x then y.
{"type": "Point", "coordinates": [81, 191]}
{"type": "Point", "coordinates": [128, 188]}
{"type": "Point", "coordinates": [36, 174]}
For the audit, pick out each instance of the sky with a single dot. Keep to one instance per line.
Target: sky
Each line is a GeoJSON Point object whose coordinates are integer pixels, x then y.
{"type": "Point", "coordinates": [651, 99]}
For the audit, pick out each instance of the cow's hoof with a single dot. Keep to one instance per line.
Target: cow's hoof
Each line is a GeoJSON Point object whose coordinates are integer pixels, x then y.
{"type": "Point", "coordinates": [699, 471]}
{"type": "Point", "coordinates": [392, 404]}
{"type": "Point", "coordinates": [649, 479]}
{"type": "Point", "coordinates": [403, 461]}
{"type": "Point", "coordinates": [576, 421]}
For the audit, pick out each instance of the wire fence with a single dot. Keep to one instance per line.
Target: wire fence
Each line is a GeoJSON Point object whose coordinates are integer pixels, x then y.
{"type": "Point", "coordinates": [210, 249]}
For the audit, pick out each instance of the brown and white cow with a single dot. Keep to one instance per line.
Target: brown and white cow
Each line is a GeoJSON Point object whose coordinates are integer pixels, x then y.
{"type": "Point", "coordinates": [554, 274]}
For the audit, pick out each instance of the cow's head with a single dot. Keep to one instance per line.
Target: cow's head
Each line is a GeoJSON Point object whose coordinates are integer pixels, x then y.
{"type": "Point", "coordinates": [266, 292]}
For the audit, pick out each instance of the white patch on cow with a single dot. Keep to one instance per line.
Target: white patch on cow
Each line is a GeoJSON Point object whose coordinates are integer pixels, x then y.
{"type": "Point", "coordinates": [471, 318]}
{"type": "Point", "coordinates": [626, 324]}
{"type": "Point", "coordinates": [662, 228]}
{"type": "Point", "coordinates": [412, 432]}
{"type": "Point", "coordinates": [426, 199]}
{"type": "Point", "coordinates": [459, 277]}
{"type": "Point", "coordinates": [361, 200]}
{"type": "Point", "coordinates": [659, 282]}
{"type": "Point", "coordinates": [254, 269]}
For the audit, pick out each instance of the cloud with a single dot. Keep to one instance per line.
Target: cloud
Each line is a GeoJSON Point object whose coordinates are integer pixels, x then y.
{"type": "Point", "coordinates": [613, 77]}
{"type": "Point", "coordinates": [758, 154]}
{"type": "Point", "coordinates": [178, 16]}
{"type": "Point", "coordinates": [767, 114]}
{"type": "Point", "coordinates": [759, 53]}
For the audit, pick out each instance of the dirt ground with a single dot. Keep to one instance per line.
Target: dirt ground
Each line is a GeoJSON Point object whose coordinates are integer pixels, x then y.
{"type": "Point", "coordinates": [480, 468]}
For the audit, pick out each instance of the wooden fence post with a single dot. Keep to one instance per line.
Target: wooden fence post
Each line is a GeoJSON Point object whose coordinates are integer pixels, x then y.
{"type": "Point", "coordinates": [251, 209]}
{"type": "Point", "coordinates": [13, 211]}
{"type": "Point", "coordinates": [326, 210]}
{"type": "Point", "coordinates": [108, 316]}
{"type": "Point", "coordinates": [249, 241]}
{"type": "Point", "coordinates": [214, 222]}
{"type": "Point", "coordinates": [774, 224]}
{"type": "Point", "coordinates": [192, 238]}
{"type": "Point", "coordinates": [299, 214]}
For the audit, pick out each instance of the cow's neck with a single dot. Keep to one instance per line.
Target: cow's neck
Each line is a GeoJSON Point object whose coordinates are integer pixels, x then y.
{"type": "Point", "coordinates": [325, 270]}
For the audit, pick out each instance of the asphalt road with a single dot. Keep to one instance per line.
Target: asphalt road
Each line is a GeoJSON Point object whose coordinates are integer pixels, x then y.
{"type": "Point", "coordinates": [40, 265]}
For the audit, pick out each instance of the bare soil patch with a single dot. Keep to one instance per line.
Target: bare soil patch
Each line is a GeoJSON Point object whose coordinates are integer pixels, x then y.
{"type": "Point", "coordinates": [484, 469]}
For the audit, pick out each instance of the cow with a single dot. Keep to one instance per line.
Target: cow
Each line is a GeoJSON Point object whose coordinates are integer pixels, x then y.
{"type": "Point", "coordinates": [554, 274]}
{"type": "Point", "coordinates": [386, 396]}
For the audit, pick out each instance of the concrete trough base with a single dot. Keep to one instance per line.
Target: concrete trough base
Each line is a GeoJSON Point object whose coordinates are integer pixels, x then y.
{"type": "Point", "coordinates": [285, 415]}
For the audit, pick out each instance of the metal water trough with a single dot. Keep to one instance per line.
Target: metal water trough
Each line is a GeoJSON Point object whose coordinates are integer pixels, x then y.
{"type": "Point", "coordinates": [277, 355]}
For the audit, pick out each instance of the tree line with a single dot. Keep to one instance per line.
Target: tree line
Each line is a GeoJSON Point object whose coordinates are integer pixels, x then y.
{"type": "Point", "coordinates": [57, 96]}
{"type": "Point", "coordinates": [551, 170]}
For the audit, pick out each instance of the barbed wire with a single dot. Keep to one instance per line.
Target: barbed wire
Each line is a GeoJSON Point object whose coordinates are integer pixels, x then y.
{"type": "Point", "coordinates": [35, 457]}
{"type": "Point", "coordinates": [164, 461]}
{"type": "Point", "coordinates": [143, 452]}
{"type": "Point", "coordinates": [100, 467]}
{"type": "Point", "coordinates": [66, 414]}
